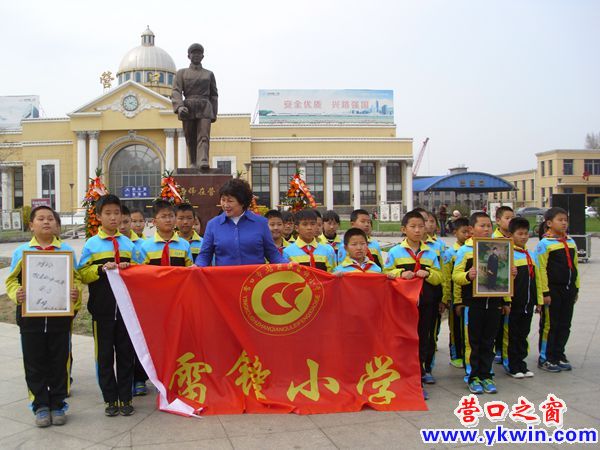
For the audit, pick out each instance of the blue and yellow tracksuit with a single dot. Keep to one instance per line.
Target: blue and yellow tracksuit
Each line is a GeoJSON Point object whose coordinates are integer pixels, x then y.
{"type": "Point", "coordinates": [398, 260]}
{"type": "Point", "coordinates": [374, 252]}
{"type": "Point", "coordinates": [336, 243]}
{"type": "Point", "coordinates": [498, 234]}
{"type": "Point", "coordinates": [284, 244]}
{"type": "Point", "coordinates": [499, 342]}
{"type": "Point", "coordinates": [559, 276]}
{"type": "Point", "coordinates": [324, 255]}
{"type": "Point", "coordinates": [351, 265]}
{"type": "Point", "coordinates": [110, 335]}
{"type": "Point", "coordinates": [481, 318]}
{"type": "Point", "coordinates": [454, 321]}
{"type": "Point", "coordinates": [195, 244]}
{"type": "Point", "coordinates": [137, 243]}
{"type": "Point", "coordinates": [439, 246]}
{"type": "Point", "coordinates": [518, 323]}
{"type": "Point", "coordinates": [179, 251]}
{"type": "Point", "coordinates": [45, 341]}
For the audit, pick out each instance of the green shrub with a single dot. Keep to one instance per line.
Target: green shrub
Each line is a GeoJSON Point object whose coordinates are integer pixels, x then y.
{"type": "Point", "coordinates": [26, 213]}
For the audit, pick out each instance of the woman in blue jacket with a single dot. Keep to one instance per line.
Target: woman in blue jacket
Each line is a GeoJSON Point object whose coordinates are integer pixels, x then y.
{"type": "Point", "coordinates": [237, 236]}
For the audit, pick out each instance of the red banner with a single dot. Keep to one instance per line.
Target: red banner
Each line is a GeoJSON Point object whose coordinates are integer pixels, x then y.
{"type": "Point", "coordinates": [273, 338]}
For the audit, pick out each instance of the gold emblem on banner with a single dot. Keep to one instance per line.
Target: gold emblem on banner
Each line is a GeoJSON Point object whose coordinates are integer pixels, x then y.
{"type": "Point", "coordinates": [281, 299]}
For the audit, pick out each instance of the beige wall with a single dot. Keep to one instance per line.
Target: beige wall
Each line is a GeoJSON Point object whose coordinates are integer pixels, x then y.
{"type": "Point", "coordinates": [233, 135]}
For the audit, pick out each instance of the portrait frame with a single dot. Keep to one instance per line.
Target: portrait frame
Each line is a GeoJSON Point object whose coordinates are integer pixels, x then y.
{"type": "Point", "coordinates": [493, 259]}
{"type": "Point", "coordinates": [48, 274]}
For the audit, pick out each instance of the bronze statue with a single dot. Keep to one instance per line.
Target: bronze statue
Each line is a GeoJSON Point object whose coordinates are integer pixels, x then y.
{"type": "Point", "coordinates": [195, 101]}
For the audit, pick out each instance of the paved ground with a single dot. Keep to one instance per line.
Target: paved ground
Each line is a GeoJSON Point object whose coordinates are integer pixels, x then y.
{"type": "Point", "coordinates": [149, 428]}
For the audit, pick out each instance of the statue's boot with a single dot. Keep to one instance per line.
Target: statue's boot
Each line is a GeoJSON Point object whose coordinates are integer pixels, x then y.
{"type": "Point", "coordinates": [204, 158]}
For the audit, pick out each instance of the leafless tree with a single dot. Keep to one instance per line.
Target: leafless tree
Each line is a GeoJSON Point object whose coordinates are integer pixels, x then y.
{"type": "Point", "coordinates": [592, 141]}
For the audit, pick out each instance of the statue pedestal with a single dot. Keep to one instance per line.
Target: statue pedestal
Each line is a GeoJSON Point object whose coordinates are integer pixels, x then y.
{"type": "Point", "coordinates": [202, 191]}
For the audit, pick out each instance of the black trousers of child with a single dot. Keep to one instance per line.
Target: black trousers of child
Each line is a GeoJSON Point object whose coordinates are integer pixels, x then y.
{"type": "Point", "coordinates": [555, 324]}
{"type": "Point", "coordinates": [480, 327]}
{"type": "Point", "coordinates": [112, 342]}
{"type": "Point", "coordinates": [455, 324]}
{"type": "Point", "coordinates": [499, 341]}
{"type": "Point", "coordinates": [46, 359]}
{"type": "Point", "coordinates": [515, 347]}
{"type": "Point", "coordinates": [427, 329]}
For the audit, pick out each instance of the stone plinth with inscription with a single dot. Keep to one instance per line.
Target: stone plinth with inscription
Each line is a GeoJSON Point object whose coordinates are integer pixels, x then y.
{"type": "Point", "coordinates": [202, 191]}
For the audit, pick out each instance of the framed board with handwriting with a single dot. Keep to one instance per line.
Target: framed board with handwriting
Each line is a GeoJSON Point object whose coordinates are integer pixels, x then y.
{"type": "Point", "coordinates": [47, 279]}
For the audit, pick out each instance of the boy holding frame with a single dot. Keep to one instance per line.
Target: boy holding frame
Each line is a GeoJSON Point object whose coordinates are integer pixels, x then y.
{"type": "Point", "coordinates": [45, 340]}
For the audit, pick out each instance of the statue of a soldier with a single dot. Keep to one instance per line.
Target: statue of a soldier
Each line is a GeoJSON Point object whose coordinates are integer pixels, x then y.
{"type": "Point", "coordinates": [195, 101]}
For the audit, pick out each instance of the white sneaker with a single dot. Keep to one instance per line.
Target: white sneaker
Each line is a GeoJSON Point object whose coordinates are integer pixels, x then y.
{"type": "Point", "coordinates": [529, 374]}
{"type": "Point", "coordinates": [517, 375]}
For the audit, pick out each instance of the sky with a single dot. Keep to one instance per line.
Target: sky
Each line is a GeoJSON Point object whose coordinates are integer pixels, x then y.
{"type": "Point", "coordinates": [490, 83]}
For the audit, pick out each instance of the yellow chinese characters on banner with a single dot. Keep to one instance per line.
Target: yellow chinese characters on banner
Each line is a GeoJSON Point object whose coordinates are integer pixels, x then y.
{"type": "Point", "coordinates": [310, 388]}
{"type": "Point", "coordinates": [251, 375]}
{"type": "Point", "coordinates": [188, 376]}
{"type": "Point", "coordinates": [381, 375]}
{"type": "Point", "coordinates": [200, 191]}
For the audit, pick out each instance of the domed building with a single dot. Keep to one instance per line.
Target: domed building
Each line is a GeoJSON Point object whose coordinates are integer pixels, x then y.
{"type": "Point", "coordinates": [131, 133]}
{"type": "Point", "coordinates": [148, 65]}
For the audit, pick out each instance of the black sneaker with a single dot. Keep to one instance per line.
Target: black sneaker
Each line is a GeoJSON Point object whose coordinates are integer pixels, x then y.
{"type": "Point", "coordinates": [549, 367]}
{"type": "Point", "coordinates": [126, 408]}
{"type": "Point", "coordinates": [112, 409]}
{"type": "Point", "coordinates": [564, 365]}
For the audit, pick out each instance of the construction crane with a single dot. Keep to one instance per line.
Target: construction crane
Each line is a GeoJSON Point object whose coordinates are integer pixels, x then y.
{"type": "Point", "coordinates": [420, 157]}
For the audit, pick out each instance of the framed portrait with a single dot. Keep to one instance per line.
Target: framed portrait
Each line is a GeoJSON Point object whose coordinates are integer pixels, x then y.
{"type": "Point", "coordinates": [47, 279]}
{"type": "Point", "coordinates": [493, 259]}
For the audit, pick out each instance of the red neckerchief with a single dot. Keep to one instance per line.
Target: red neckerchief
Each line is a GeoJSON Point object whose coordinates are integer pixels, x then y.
{"type": "Point", "coordinates": [165, 259]}
{"type": "Point", "coordinates": [416, 257]}
{"type": "Point", "coordinates": [368, 265]}
{"type": "Point", "coordinates": [529, 261]}
{"type": "Point", "coordinates": [116, 247]}
{"type": "Point", "coordinates": [332, 242]}
{"type": "Point", "coordinates": [566, 246]}
{"type": "Point", "coordinates": [309, 250]}
{"type": "Point", "coordinates": [49, 248]}
{"type": "Point", "coordinates": [370, 255]}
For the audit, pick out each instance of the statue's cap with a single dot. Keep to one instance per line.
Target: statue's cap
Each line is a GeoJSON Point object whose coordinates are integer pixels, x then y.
{"type": "Point", "coordinates": [195, 47]}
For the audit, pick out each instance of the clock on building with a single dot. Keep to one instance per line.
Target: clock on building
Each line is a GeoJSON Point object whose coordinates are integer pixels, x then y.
{"type": "Point", "coordinates": [130, 102]}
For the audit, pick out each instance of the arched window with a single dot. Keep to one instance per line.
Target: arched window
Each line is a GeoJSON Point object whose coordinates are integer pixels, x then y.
{"type": "Point", "coordinates": [134, 172]}
{"type": "Point", "coordinates": [138, 77]}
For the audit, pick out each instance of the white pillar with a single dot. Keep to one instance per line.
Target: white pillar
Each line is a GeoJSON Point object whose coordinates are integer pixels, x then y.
{"type": "Point", "coordinates": [356, 183]}
{"type": "Point", "coordinates": [274, 184]}
{"type": "Point", "coordinates": [382, 181]}
{"type": "Point", "coordinates": [407, 184]}
{"type": "Point", "coordinates": [329, 183]}
{"type": "Point", "coordinates": [181, 150]}
{"type": "Point", "coordinates": [82, 181]}
{"type": "Point", "coordinates": [93, 156]}
{"type": "Point", "coordinates": [7, 189]}
{"type": "Point", "coordinates": [170, 149]}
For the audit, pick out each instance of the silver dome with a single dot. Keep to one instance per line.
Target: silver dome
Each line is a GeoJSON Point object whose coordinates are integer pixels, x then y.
{"type": "Point", "coordinates": [147, 56]}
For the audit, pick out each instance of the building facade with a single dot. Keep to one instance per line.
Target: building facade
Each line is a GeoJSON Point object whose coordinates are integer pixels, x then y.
{"type": "Point", "coordinates": [524, 193]}
{"type": "Point", "coordinates": [557, 172]}
{"type": "Point", "coordinates": [131, 134]}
